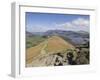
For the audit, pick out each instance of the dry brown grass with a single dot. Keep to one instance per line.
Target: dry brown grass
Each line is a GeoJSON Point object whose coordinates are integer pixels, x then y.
{"type": "Point", "coordinates": [54, 44]}
{"type": "Point", "coordinates": [32, 52]}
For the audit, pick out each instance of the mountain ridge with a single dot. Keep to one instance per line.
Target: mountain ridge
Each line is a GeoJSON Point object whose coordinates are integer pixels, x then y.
{"type": "Point", "coordinates": [78, 37]}
{"type": "Point", "coordinates": [54, 44]}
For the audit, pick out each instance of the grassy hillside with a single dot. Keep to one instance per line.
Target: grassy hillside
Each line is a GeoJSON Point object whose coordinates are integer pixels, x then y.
{"type": "Point", "coordinates": [56, 44]}
{"type": "Point", "coordinates": [45, 51]}
{"type": "Point", "coordinates": [51, 45]}
{"type": "Point", "coordinates": [34, 40]}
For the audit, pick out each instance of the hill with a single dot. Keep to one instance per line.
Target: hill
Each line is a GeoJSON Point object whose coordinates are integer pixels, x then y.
{"type": "Point", "coordinates": [46, 50]}
{"type": "Point", "coordinates": [75, 37]}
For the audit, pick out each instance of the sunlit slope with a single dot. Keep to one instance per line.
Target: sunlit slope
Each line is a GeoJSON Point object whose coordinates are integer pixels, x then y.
{"type": "Point", "coordinates": [56, 44]}
{"type": "Point", "coordinates": [52, 45]}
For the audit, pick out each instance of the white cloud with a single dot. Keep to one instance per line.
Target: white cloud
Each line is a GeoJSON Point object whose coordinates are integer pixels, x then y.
{"type": "Point", "coordinates": [67, 24]}
{"type": "Point", "coordinates": [38, 28]}
{"type": "Point", "coordinates": [81, 22]}
{"type": "Point", "coordinates": [76, 25]}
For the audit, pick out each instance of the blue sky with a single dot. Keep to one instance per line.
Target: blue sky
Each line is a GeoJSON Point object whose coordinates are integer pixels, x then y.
{"type": "Point", "coordinates": [41, 22]}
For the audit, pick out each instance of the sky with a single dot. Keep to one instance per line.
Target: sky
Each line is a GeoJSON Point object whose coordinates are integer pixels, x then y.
{"type": "Point", "coordinates": [41, 22]}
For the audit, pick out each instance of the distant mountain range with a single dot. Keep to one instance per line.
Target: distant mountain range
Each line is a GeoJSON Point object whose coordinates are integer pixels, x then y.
{"type": "Point", "coordinates": [79, 37]}
{"type": "Point", "coordinates": [29, 34]}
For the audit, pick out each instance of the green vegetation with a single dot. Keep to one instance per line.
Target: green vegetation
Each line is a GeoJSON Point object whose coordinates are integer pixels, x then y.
{"type": "Point", "coordinates": [46, 51]}
{"type": "Point", "coordinates": [34, 40]}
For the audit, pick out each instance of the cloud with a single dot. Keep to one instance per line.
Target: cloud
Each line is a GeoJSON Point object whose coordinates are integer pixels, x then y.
{"type": "Point", "coordinates": [66, 24]}
{"type": "Point", "coordinates": [38, 28]}
{"type": "Point", "coordinates": [75, 25]}
{"type": "Point", "coordinates": [81, 22]}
